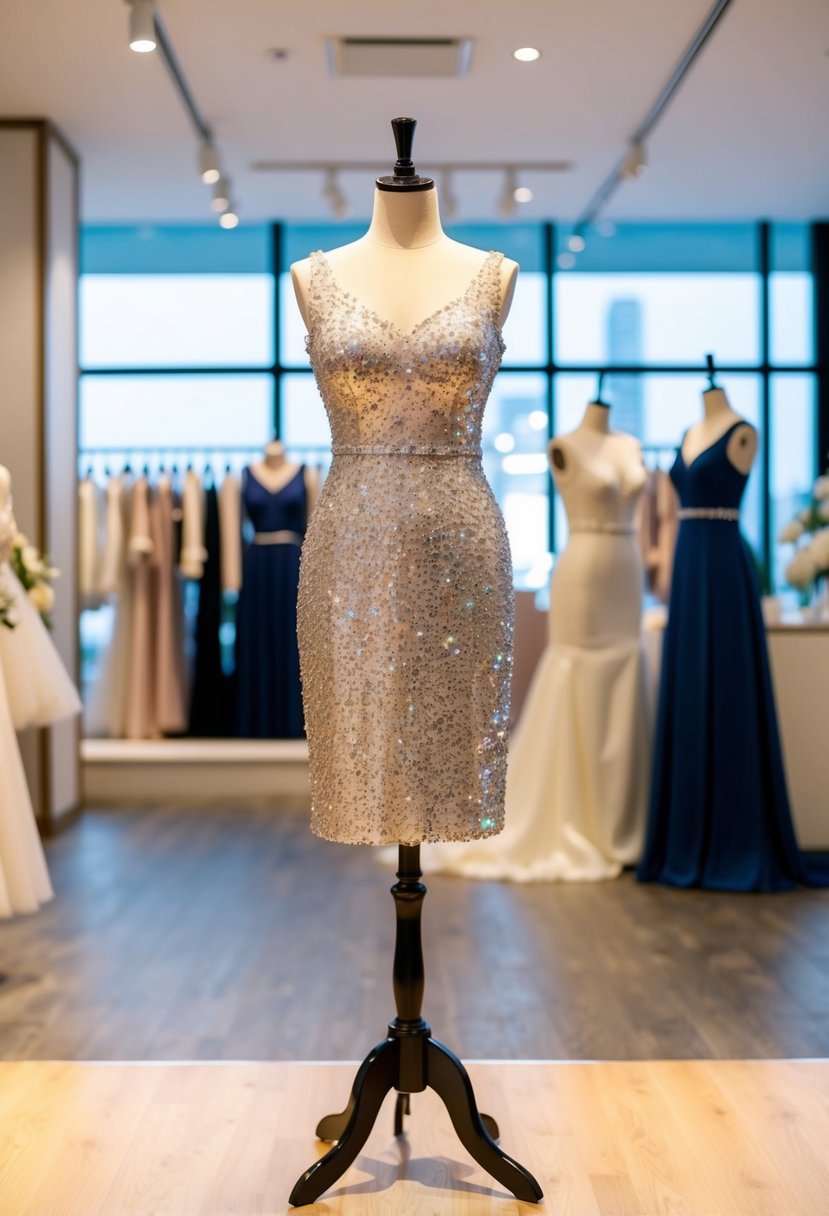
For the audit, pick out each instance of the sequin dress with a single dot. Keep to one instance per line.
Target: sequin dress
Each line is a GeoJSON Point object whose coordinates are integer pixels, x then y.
{"type": "Point", "coordinates": [405, 600]}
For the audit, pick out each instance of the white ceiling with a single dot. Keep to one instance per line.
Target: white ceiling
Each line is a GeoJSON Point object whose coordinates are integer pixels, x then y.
{"type": "Point", "coordinates": [746, 137]}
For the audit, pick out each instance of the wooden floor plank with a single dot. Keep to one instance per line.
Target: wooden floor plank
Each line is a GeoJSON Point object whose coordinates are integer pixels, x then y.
{"type": "Point", "coordinates": [230, 933]}
{"type": "Point", "coordinates": [711, 1138]}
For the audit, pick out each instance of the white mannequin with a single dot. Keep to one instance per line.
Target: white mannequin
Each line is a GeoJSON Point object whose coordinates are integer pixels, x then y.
{"type": "Point", "coordinates": [718, 417]}
{"type": "Point", "coordinates": [405, 268]}
{"type": "Point", "coordinates": [593, 451]}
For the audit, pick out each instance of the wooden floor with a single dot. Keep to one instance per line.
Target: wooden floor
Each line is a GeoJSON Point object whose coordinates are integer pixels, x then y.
{"type": "Point", "coordinates": [235, 934]}
{"type": "Point", "coordinates": [659, 1139]}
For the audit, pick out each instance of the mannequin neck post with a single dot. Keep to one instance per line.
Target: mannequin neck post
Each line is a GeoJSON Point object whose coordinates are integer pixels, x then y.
{"type": "Point", "coordinates": [405, 219]}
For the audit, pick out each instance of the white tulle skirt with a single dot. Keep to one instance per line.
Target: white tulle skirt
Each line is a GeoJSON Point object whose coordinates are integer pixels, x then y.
{"type": "Point", "coordinates": [35, 690]}
{"type": "Point", "coordinates": [577, 777]}
{"type": "Point", "coordinates": [38, 686]}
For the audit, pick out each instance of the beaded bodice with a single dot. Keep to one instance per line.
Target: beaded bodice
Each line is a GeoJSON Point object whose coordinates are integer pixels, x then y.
{"type": "Point", "coordinates": [420, 390]}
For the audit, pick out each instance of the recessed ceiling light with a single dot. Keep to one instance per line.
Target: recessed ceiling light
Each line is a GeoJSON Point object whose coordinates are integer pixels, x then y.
{"type": "Point", "coordinates": [526, 54]}
{"type": "Point", "coordinates": [522, 194]}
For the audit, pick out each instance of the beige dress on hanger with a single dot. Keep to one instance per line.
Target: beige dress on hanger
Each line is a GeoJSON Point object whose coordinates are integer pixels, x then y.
{"type": "Point", "coordinates": [171, 702]}
{"type": "Point", "coordinates": [140, 718]}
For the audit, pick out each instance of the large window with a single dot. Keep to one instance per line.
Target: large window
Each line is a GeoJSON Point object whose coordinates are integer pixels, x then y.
{"type": "Point", "coordinates": [192, 348]}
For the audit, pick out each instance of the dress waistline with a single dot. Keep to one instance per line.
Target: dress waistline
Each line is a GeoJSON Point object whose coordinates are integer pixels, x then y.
{"type": "Point", "coordinates": [277, 538]}
{"type": "Point", "coordinates": [597, 525]}
{"type": "Point", "coordinates": [726, 515]}
{"type": "Point", "coordinates": [348, 449]}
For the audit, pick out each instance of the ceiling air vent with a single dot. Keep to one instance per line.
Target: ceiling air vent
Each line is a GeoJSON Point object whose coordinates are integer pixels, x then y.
{"type": "Point", "coordinates": [399, 56]}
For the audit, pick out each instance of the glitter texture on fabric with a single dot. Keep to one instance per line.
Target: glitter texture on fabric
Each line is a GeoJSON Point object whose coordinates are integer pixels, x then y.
{"type": "Point", "coordinates": [405, 600]}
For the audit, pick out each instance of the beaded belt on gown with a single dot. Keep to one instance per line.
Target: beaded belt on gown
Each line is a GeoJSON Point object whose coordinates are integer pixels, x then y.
{"type": "Point", "coordinates": [350, 449]}
{"type": "Point", "coordinates": [283, 537]}
{"type": "Point", "coordinates": [727, 515]}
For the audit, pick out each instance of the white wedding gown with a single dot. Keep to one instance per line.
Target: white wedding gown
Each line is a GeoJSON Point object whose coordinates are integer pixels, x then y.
{"type": "Point", "coordinates": [35, 690]}
{"type": "Point", "coordinates": [577, 778]}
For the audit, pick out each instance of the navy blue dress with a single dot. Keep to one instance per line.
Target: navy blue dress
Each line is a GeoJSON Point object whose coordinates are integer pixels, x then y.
{"type": "Point", "coordinates": [268, 694]}
{"type": "Point", "coordinates": [719, 813]}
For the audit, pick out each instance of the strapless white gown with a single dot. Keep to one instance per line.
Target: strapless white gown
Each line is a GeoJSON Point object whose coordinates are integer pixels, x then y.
{"type": "Point", "coordinates": [578, 771]}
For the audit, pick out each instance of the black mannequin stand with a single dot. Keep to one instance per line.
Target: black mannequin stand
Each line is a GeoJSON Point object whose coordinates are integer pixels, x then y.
{"type": "Point", "coordinates": [409, 1060]}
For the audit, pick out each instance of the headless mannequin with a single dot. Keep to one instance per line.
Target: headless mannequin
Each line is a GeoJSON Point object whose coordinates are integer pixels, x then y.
{"type": "Point", "coordinates": [405, 268]}
{"type": "Point", "coordinates": [718, 417]}
{"type": "Point", "coordinates": [580, 611]}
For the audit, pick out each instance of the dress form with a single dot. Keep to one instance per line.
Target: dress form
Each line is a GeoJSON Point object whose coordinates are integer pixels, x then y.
{"type": "Point", "coordinates": [405, 267]}
{"type": "Point", "coordinates": [397, 615]}
{"type": "Point", "coordinates": [594, 448]}
{"type": "Point", "coordinates": [718, 417]}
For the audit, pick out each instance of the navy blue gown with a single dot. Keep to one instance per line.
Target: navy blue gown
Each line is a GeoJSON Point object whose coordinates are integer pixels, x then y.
{"type": "Point", "coordinates": [268, 694]}
{"type": "Point", "coordinates": [719, 813]}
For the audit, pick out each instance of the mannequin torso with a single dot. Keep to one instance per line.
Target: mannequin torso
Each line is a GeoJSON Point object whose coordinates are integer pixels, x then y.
{"type": "Point", "coordinates": [597, 581]}
{"type": "Point", "coordinates": [275, 470]}
{"type": "Point", "coordinates": [405, 268]}
{"type": "Point", "coordinates": [719, 417]}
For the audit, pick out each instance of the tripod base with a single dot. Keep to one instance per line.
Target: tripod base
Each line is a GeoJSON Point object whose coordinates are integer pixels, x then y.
{"type": "Point", "coordinates": [409, 1061]}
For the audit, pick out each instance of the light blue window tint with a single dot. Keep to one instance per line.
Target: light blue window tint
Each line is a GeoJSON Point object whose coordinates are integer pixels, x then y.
{"type": "Point", "coordinates": [162, 412]}
{"type": "Point", "coordinates": [792, 457]}
{"type": "Point", "coordinates": [174, 320]}
{"type": "Point", "coordinates": [656, 318]}
{"type": "Point", "coordinates": [305, 428]}
{"type": "Point", "coordinates": [791, 318]}
{"type": "Point", "coordinates": [515, 461]}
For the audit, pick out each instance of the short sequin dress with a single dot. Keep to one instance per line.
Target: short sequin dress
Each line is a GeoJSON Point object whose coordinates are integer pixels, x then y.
{"type": "Point", "coordinates": [405, 599]}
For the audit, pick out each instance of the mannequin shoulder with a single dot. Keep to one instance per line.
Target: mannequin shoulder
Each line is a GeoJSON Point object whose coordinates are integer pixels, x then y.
{"type": "Point", "coordinates": [742, 446]}
{"type": "Point", "coordinates": [301, 279]}
{"type": "Point", "coordinates": [509, 279]}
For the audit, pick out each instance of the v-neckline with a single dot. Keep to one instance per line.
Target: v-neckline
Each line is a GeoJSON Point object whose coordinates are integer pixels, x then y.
{"type": "Point", "coordinates": [279, 488]}
{"type": "Point", "coordinates": [405, 334]}
{"type": "Point", "coordinates": [710, 447]}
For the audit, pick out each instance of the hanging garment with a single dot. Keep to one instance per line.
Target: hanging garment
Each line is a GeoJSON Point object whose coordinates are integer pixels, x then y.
{"type": "Point", "coordinates": [24, 879]}
{"type": "Point", "coordinates": [38, 689]}
{"type": "Point", "coordinates": [106, 700]}
{"type": "Point", "coordinates": [193, 553]}
{"type": "Point", "coordinates": [577, 782]}
{"type": "Point", "coordinates": [719, 814]}
{"type": "Point", "coordinates": [230, 530]}
{"type": "Point", "coordinates": [211, 704]}
{"type": "Point", "coordinates": [140, 717]}
{"type": "Point", "coordinates": [405, 601]}
{"type": "Point", "coordinates": [667, 506]}
{"type": "Point", "coordinates": [268, 694]}
{"type": "Point", "coordinates": [89, 542]}
{"type": "Point", "coordinates": [170, 693]}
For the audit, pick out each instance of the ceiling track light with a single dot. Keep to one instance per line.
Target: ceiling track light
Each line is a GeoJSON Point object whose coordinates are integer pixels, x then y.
{"type": "Point", "coordinates": [576, 241]}
{"type": "Point", "coordinates": [221, 195]}
{"type": "Point", "coordinates": [143, 37]}
{"type": "Point", "coordinates": [230, 216]}
{"type": "Point", "coordinates": [507, 201]}
{"type": "Point", "coordinates": [635, 162]}
{"type": "Point", "coordinates": [209, 163]}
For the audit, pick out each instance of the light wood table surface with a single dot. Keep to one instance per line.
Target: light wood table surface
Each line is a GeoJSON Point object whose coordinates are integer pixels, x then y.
{"type": "Point", "coordinates": [707, 1138]}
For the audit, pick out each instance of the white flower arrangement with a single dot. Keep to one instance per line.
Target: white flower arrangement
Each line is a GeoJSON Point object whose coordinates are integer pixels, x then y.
{"type": "Point", "coordinates": [809, 534]}
{"type": "Point", "coordinates": [36, 574]}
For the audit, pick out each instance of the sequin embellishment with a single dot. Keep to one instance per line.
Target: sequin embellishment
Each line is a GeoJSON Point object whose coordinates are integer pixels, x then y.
{"type": "Point", "coordinates": [405, 602]}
